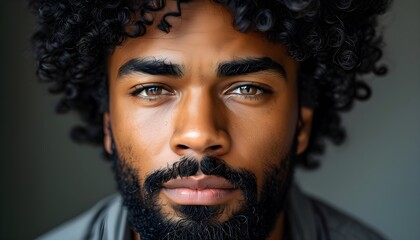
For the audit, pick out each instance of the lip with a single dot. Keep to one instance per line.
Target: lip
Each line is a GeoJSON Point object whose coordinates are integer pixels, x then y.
{"type": "Point", "coordinates": [200, 190]}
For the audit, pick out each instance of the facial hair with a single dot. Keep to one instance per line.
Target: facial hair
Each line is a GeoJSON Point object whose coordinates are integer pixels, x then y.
{"type": "Point", "coordinates": [254, 219]}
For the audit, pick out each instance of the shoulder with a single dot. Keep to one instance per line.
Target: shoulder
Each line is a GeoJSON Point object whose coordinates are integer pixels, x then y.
{"type": "Point", "coordinates": [310, 218]}
{"type": "Point", "coordinates": [341, 226]}
{"type": "Point", "coordinates": [87, 224]}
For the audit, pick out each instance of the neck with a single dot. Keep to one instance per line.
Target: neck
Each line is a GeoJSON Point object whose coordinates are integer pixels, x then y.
{"type": "Point", "coordinates": [278, 230]}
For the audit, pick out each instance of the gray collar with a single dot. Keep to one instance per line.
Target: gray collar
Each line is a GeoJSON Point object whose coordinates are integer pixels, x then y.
{"type": "Point", "coordinates": [301, 219]}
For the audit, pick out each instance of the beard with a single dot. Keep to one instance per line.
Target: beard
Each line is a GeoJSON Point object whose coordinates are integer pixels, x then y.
{"type": "Point", "coordinates": [254, 219]}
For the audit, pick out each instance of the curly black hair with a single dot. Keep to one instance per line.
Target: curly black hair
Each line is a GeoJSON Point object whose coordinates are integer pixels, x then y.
{"type": "Point", "coordinates": [335, 41]}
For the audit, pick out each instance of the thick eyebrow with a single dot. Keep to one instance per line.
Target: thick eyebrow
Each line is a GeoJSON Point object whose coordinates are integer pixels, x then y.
{"type": "Point", "coordinates": [244, 66]}
{"type": "Point", "coordinates": [152, 66]}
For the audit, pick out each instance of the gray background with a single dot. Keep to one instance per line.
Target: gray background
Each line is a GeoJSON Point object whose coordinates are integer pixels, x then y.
{"type": "Point", "coordinates": [46, 179]}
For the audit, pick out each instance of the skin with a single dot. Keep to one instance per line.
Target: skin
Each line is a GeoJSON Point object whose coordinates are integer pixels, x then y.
{"type": "Point", "coordinates": [249, 120]}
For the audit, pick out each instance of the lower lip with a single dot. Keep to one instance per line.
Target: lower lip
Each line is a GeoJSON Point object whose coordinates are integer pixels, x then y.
{"type": "Point", "coordinates": [211, 196]}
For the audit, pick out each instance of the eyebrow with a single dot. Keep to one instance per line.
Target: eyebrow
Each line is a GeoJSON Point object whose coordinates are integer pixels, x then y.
{"type": "Point", "coordinates": [245, 66]}
{"type": "Point", "coordinates": [152, 66]}
{"type": "Point", "coordinates": [237, 67]}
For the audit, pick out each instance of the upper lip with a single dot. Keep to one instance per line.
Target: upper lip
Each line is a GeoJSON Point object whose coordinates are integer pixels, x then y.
{"type": "Point", "coordinates": [199, 182]}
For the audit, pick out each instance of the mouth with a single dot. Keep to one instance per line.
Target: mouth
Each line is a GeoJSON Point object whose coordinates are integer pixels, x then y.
{"type": "Point", "coordinates": [200, 190]}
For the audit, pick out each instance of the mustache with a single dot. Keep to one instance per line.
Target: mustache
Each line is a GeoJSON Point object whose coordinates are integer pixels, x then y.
{"type": "Point", "coordinates": [189, 166]}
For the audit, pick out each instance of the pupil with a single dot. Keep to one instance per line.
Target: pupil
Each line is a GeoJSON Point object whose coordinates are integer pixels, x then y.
{"type": "Point", "coordinates": [153, 91]}
{"type": "Point", "coordinates": [246, 89]}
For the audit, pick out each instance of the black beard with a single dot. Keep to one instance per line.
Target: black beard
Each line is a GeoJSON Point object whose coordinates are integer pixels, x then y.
{"type": "Point", "coordinates": [254, 220]}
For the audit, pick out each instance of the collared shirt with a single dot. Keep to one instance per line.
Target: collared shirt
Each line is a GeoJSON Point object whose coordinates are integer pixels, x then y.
{"type": "Point", "coordinates": [306, 219]}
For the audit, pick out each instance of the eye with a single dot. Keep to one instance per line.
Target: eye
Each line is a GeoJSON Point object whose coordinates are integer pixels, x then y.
{"type": "Point", "coordinates": [247, 90]}
{"type": "Point", "coordinates": [151, 92]}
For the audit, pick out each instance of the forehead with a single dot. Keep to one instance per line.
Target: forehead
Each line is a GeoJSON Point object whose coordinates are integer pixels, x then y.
{"type": "Point", "coordinates": [204, 30]}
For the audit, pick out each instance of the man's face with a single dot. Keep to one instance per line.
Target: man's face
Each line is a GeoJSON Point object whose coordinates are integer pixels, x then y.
{"type": "Point", "coordinates": [203, 90]}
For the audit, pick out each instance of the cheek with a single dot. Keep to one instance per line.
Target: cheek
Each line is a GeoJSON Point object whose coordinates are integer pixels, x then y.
{"type": "Point", "coordinates": [140, 134]}
{"type": "Point", "coordinates": [265, 137]}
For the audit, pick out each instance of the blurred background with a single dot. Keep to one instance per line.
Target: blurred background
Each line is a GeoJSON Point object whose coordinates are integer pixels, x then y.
{"type": "Point", "coordinates": [46, 179]}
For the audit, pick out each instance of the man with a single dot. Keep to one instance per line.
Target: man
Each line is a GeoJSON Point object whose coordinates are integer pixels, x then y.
{"type": "Point", "coordinates": [206, 107]}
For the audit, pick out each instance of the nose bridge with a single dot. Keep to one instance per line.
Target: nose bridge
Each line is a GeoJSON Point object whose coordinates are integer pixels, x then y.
{"type": "Point", "coordinates": [199, 125]}
{"type": "Point", "coordinates": [200, 111]}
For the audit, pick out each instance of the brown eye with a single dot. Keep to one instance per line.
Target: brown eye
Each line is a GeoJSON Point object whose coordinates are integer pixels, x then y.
{"type": "Point", "coordinates": [151, 92]}
{"type": "Point", "coordinates": [247, 90]}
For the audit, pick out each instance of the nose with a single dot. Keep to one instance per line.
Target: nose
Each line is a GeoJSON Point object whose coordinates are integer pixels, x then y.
{"type": "Point", "coordinates": [200, 126]}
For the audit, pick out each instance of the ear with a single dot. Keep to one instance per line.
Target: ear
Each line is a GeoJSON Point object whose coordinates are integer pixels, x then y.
{"type": "Point", "coordinates": [304, 128]}
{"type": "Point", "coordinates": [107, 133]}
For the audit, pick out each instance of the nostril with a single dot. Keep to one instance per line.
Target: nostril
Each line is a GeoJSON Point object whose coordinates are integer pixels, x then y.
{"type": "Point", "coordinates": [215, 147]}
{"type": "Point", "coordinates": [180, 146]}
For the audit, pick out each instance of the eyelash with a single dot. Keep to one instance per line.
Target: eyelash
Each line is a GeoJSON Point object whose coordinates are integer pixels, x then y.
{"type": "Point", "coordinates": [263, 91]}
{"type": "Point", "coordinates": [140, 88]}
